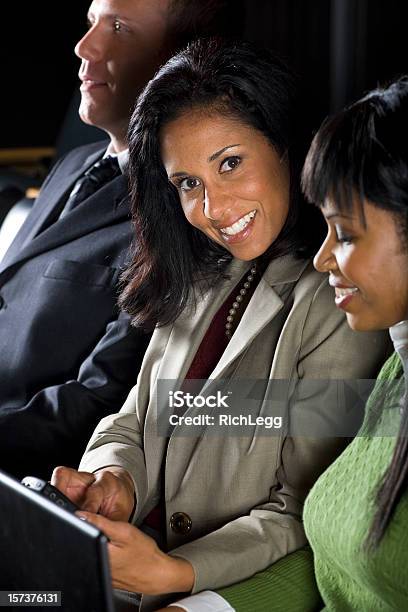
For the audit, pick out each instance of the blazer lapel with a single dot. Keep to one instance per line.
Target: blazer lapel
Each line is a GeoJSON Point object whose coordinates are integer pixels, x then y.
{"type": "Point", "coordinates": [184, 338]}
{"type": "Point", "coordinates": [265, 304]}
{"type": "Point", "coordinates": [187, 333]}
{"type": "Point", "coordinates": [189, 330]}
{"type": "Point", "coordinates": [263, 307]}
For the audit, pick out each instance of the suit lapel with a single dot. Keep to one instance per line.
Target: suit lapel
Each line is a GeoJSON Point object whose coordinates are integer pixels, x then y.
{"type": "Point", "coordinates": [59, 193]}
{"type": "Point", "coordinates": [98, 210]}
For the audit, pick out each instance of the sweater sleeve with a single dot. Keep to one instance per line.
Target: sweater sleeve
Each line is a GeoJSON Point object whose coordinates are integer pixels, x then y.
{"type": "Point", "coordinates": [289, 583]}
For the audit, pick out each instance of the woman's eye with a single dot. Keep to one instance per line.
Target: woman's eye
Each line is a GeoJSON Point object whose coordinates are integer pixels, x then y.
{"type": "Point", "coordinates": [188, 184]}
{"type": "Point", "coordinates": [230, 163]}
{"type": "Point", "coordinates": [117, 26]}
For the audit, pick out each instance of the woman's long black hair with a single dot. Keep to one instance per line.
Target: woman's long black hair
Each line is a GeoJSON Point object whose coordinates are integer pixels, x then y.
{"type": "Point", "coordinates": [362, 154]}
{"type": "Point", "coordinates": [170, 255]}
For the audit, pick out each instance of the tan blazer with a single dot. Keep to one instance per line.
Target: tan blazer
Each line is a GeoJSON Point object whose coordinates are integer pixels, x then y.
{"type": "Point", "coordinates": [244, 495]}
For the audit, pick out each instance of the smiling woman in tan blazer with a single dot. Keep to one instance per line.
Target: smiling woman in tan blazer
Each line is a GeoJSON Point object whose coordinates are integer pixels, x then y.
{"type": "Point", "coordinates": [224, 269]}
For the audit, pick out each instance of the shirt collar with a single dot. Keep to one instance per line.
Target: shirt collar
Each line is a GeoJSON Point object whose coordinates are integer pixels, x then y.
{"type": "Point", "coordinates": [123, 158]}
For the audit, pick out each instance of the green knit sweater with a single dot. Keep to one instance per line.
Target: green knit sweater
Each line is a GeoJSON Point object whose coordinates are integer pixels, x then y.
{"type": "Point", "coordinates": [288, 585]}
{"type": "Point", "coordinates": [340, 508]}
{"type": "Point", "coordinates": [338, 514]}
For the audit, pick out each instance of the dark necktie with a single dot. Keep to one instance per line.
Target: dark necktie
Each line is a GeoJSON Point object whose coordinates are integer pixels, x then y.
{"type": "Point", "coordinates": [99, 174]}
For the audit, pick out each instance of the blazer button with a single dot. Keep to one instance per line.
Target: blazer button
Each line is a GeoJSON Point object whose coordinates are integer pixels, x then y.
{"type": "Point", "coordinates": [180, 523]}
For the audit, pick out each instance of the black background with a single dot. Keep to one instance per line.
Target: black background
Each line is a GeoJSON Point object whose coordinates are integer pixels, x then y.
{"type": "Point", "coordinates": [339, 48]}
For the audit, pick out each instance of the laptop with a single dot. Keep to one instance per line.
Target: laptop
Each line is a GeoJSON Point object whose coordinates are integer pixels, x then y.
{"type": "Point", "coordinates": [45, 548]}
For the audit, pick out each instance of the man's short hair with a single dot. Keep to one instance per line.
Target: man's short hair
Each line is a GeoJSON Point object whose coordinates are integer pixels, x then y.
{"type": "Point", "coordinates": [191, 19]}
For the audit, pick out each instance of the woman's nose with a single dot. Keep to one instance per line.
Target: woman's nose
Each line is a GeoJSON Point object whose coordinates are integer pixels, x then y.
{"type": "Point", "coordinates": [214, 204]}
{"type": "Point", "coordinates": [324, 260]}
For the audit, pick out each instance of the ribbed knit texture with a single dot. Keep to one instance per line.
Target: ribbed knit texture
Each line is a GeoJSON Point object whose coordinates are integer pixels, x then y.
{"type": "Point", "coordinates": [286, 586]}
{"type": "Point", "coordinates": [340, 508]}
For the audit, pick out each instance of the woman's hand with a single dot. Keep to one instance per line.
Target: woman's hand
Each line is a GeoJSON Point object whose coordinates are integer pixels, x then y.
{"type": "Point", "coordinates": [137, 564]}
{"type": "Point", "coordinates": [109, 491]}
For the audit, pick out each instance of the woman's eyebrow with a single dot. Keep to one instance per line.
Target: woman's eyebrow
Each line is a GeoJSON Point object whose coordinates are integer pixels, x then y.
{"type": "Point", "coordinates": [340, 215]}
{"type": "Point", "coordinates": [215, 155]}
{"type": "Point", "coordinates": [212, 158]}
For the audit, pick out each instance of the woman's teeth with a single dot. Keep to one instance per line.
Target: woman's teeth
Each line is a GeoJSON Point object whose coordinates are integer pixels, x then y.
{"type": "Point", "coordinates": [239, 225]}
{"type": "Point", "coordinates": [343, 291]}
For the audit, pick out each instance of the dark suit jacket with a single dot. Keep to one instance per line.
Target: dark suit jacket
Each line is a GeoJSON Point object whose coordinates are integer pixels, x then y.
{"type": "Point", "coordinates": [66, 358]}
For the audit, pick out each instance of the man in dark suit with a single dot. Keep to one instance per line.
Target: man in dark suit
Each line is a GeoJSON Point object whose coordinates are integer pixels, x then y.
{"type": "Point", "coordinates": [67, 358]}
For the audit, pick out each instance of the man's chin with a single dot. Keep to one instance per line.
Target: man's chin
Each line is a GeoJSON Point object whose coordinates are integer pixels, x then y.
{"type": "Point", "coordinates": [90, 116]}
{"type": "Point", "coordinates": [95, 115]}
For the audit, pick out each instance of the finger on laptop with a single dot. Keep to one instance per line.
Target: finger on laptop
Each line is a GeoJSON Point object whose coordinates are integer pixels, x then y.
{"type": "Point", "coordinates": [116, 531]}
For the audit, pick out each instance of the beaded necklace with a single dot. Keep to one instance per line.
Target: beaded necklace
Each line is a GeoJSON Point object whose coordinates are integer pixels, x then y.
{"type": "Point", "coordinates": [238, 300]}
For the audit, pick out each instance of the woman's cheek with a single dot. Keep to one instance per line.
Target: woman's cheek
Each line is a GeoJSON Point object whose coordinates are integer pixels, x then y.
{"type": "Point", "coordinates": [193, 209]}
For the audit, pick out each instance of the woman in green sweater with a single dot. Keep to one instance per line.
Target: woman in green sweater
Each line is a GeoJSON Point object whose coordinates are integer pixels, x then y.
{"type": "Point", "coordinates": [356, 515]}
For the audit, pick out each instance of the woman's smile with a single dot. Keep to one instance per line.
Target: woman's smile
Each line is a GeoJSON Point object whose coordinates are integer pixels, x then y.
{"type": "Point", "coordinates": [239, 230]}
{"type": "Point", "coordinates": [343, 293]}
{"type": "Point", "coordinates": [367, 263]}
